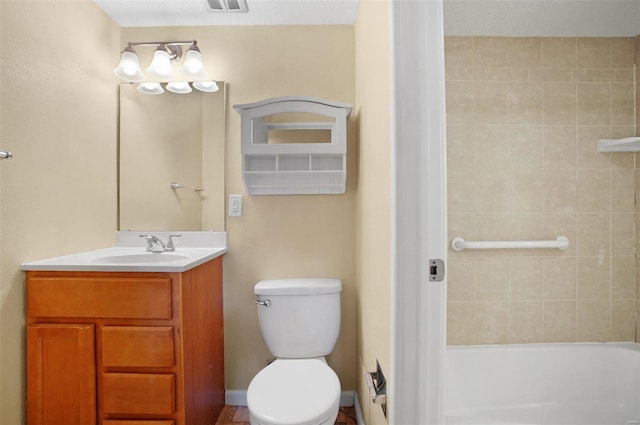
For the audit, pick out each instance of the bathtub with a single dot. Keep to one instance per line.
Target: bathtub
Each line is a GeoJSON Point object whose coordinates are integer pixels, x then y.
{"type": "Point", "coordinates": [543, 384]}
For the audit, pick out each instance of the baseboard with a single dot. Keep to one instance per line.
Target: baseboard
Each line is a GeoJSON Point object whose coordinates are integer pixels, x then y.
{"type": "Point", "coordinates": [347, 399]}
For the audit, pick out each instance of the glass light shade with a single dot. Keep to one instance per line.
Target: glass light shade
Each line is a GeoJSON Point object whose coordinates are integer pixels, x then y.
{"type": "Point", "coordinates": [206, 86]}
{"type": "Point", "coordinates": [193, 66]}
{"type": "Point", "coordinates": [150, 88]}
{"type": "Point", "coordinates": [160, 66]}
{"type": "Point", "coordinates": [180, 87]}
{"type": "Point", "coordinates": [129, 68]}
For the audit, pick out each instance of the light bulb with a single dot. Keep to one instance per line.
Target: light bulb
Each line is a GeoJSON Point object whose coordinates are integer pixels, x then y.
{"type": "Point", "coordinates": [206, 86]}
{"type": "Point", "coordinates": [129, 68]}
{"type": "Point", "coordinates": [193, 66]}
{"type": "Point", "coordinates": [180, 87]}
{"type": "Point", "coordinates": [150, 88]}
{"type": "Point", "coordinates": [160, 66]}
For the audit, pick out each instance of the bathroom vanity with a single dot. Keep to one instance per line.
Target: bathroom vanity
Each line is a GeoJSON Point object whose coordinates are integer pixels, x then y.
{"type": "Point", "coordinates": [117, 347]}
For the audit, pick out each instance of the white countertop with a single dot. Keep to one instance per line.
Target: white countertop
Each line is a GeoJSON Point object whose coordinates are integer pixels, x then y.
{"type": "Point", "coordinates": [130, 255]}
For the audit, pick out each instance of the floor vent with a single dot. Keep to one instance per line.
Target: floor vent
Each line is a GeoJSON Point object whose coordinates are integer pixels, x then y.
{"type": "Point", "coordinates": [227, 6]}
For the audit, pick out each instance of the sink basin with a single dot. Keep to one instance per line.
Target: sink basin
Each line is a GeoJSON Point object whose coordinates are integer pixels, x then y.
{"type": "Point", "coordinates": [145, 257]}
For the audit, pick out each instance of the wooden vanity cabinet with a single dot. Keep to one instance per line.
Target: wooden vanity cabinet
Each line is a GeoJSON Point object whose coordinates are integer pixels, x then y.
{"type": "Point", "coordinates": [125, 348]}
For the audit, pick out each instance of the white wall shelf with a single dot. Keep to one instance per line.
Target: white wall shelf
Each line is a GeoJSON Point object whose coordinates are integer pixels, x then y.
{"type": "Point", "coordinates": [298, 167]}
{"type": "Point", "coordinates": [628, 144]}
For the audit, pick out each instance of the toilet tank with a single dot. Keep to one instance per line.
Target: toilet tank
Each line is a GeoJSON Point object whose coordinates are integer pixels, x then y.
{"type": "Point", "coordinates": [299, 318]}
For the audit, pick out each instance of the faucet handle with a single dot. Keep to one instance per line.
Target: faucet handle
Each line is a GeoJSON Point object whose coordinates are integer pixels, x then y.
{"type": "Point", "coordinates": [170, 244]}
{"type": "Point", "coordinates": [149, 240]}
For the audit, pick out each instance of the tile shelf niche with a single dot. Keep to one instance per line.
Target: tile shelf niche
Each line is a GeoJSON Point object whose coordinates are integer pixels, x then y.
{"type": "Point", "coordinates": [305, 166]}
{"type": "Point", "coordinates": [628, 144]}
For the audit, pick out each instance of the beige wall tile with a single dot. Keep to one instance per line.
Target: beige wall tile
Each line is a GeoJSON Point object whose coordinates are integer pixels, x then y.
{"type": "Point", "coordinates": [491, 103]}
{"type": "Point", "coordinates": [560, 148]}
{"type": "Point", "coordinates": [491, 227]}
{"type": "Point", "coordinates": [622, 104]}
{"type": "Point", "coordinates": [525, 147]}
{"type": "Point", "coordinates": [458, 52]}
{"type": "Point", "coordinates": [492, 279]}
{"type": "Point", "coordinates": [559, 103]}
{"type": "Point", "coordinates": [622, 191]}
{"type": "Point", "coordinates": [461, 283]}
{"type": "Point", "coordinates": [623, 76]}
{"type": "Point", "coordinates": [559, 52]}
{"type": "Point", "coordinates": [492, 323]}
{"type": "Point", "coordinates": [526, 227]}
{"type": "Point", "coordinates": [526, 279]}
{"type": "Point", "coordinates": [506, 74]}
{"type": "Point", "coordinates": [527, 190]}
{"type": "Point", "coordinates": [490, 51]}
{"type": "Point", "coordinates": [594, 190]}
{"type": "Point", "coordinates": [461, 190]}
{"type": "Point", "coordinates": [525, 103]}
{"type": "Point", "coordinates": [623, 317]}
{"type": "Point", "coordinates": [524, 52]}
{"type": "Point", "coordinates": [594, 278]}
{"type": "Point", "coordinates": [593, 320]}
{"type": "Point", "coordinates": [461, 323]}
{"type": "Point", "coordinates": [550, 74]}
{"type": "Point", "coordinates": [560, 278]}
{"type": "Point", "coordinates": [622, 52]}
{"type": "Point", "coordinates": [623, 234]}
{"type": "Point", "coordinates": [460, 102]}
{"type": "Point", "coordinates": [460, 147]}
{"type": "Point", "coordinates": [560, 191]}
{"type": "Point", "coordinates": [594, 231]}
{"type": "Point", "coordinates": [492, 190]}
{"type": "Point", "coordinates": [623, 277]}
{"type": "Point", "coordinates": [492, 147]}
{"type": "Point", "coordinates": [594, 104]}
{"type": "Point", "coordinates": [526, 322]}
{"type": "Point", "coordinates": [594, 53]}
{"type": "Point", "coordinates": [560, 321]}
{"type": "Point", "coordinates": [593, 75]}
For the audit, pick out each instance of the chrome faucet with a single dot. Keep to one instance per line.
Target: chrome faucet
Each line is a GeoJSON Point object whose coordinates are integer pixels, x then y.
{"type": "Point", "coordinates": [153, 242]}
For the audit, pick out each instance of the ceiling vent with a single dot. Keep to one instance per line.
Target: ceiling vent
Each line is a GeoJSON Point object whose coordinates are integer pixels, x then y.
{"type": "Point", "coordinates": [227, 6]}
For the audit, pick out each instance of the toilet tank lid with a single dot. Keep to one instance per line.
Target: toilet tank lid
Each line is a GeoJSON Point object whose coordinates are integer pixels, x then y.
{"type": "Point", "coordinates": [301, 286]}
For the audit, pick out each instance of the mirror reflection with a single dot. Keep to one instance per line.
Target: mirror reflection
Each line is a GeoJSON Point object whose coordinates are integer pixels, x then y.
{"type": "Point", "coordinates": [171, 160]}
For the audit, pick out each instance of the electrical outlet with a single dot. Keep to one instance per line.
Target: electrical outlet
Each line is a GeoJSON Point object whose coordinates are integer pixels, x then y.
{"type": "Point", "coordinates": [235, 205]}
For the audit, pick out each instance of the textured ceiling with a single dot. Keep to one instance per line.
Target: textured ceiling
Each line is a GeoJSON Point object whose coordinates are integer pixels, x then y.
{"type": "Point", "coordinates": [586, 18]}
{"type": "Point", "coordinates": [146, 13]}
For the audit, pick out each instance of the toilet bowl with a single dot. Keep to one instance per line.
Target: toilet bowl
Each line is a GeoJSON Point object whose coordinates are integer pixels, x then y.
{"type": "Point", "coordinates": [300, 322]}
{"type": "Point", "coordinates": [294, 392]}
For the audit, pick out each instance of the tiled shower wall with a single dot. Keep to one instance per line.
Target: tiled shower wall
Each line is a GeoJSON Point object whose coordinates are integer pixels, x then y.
{"type": "Point", "coordinates": [637, 79]}
{"type": "Point", "coordinates": [524, 116]}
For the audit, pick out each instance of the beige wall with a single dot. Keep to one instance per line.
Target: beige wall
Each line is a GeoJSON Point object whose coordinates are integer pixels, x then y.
{"type": "Point", "coordinates": [59, 104]}
{"type": "Point", "coordinates": [524, 116]}
{"type": "Point", "coordinates": [373, 198]}
{"type": "Point", "coordinates": [279, 236]}
{"type": "Point", "coordinates": [637, 181]}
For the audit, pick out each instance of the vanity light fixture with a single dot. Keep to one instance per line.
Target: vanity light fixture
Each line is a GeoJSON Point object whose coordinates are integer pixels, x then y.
{"type": "Point", "coordinates": [161, 68]}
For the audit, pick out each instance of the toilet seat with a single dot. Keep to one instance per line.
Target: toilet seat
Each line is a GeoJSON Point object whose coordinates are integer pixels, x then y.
{"type": "Point", "coordinates": [294, 392]}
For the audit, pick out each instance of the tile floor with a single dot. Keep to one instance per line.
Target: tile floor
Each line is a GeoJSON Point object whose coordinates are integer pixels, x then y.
{"type": "Point", "coordinates": [239, 415]}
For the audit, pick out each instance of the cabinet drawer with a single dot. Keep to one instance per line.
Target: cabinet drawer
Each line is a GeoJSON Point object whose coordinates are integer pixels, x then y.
{"type": "Point", "coordinates": [120, 298]}
{"type": "Point", "coordinates": [138, 393]}
{"type": "Point", "coordinates": [134, 346]}
{"type": "Point", "coordinates": [142, 422]}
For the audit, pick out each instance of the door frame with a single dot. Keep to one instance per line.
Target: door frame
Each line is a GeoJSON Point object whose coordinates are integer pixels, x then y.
{"type": "Point", "coordinates": [419, 207]}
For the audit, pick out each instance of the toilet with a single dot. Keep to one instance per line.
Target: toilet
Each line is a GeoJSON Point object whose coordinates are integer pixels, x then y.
{"type": "Point", "coordinates": [300, 323]}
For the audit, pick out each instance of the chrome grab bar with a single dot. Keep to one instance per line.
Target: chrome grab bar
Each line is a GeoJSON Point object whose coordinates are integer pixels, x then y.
{"type": "Point", "coordinates": [5, 155]}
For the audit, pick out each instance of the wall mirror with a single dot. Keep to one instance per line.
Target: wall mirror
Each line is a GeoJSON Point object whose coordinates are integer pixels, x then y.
{"type": "Point", "coordinates": [171, 160]}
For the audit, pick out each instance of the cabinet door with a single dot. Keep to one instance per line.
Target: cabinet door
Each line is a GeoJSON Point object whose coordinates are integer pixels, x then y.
{"type": "Point", "coordinates": [61, 375]}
